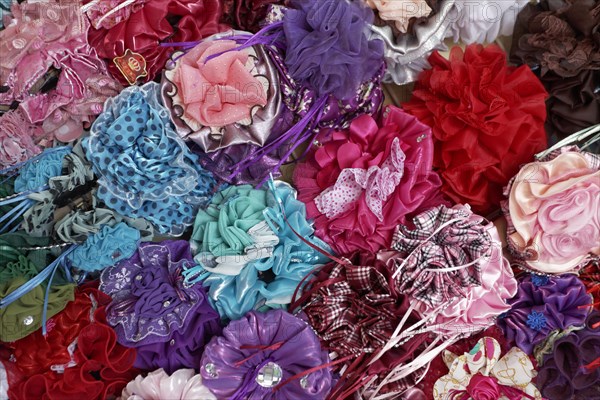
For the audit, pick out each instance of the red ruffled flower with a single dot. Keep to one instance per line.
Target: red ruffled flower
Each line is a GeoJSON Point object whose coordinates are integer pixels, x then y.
{"type": "Point", "coordinates": [158, 21]}
{"type": "Point", "coordinates": [487, 120]}
{"type": "Point", "coordinates": [365, 181]}
{"type": "Point", "coordinates": [79, 358]}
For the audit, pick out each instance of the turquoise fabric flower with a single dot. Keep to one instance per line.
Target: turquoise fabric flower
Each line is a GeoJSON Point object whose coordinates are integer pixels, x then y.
{"type": "Point", "coordinates": [106, 248]}
{"type": "Point", "coordinates": [37, 172]}
{"type": "Point", "coordinates": [249, 256]}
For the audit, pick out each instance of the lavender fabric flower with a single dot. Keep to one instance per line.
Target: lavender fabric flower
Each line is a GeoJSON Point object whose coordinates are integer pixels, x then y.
{"type": "Point", "coordinates": [570, 371]}
{"type": "Point", "coordinates": [328, 48]}
{"type": "Point", "coordinates": [153, 311]}
{"type": "Point", "coordinates": [543, 305]}
{"type": "Point", "coordinates": [261, 351]}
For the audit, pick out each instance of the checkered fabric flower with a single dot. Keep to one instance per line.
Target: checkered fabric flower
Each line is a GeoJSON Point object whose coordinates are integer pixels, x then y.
{"type": "Point", "coordinates": [442, 256]}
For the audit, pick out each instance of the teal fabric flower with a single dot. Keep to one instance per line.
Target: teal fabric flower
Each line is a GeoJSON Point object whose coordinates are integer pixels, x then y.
{"type": "Point", "coordinates": [249, 255]}
{"type": "Point", "coordinates": [106, 248]}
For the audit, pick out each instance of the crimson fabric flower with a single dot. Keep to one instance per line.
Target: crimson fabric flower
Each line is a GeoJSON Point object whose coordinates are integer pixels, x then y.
{"type": "Point", "coordinates": [246, 15]}
{"type": "Point", "coordinates": [79, 359]}
{"type": "Point", "coordinates": [153, 24]}
{"type": "Point", "coordinates": [487, 119]}
{"type": "Point", "coordinates": [368, 179]}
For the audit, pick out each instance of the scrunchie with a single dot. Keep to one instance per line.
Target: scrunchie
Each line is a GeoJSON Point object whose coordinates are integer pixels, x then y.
{"type": "Point", "coordinates": [486, 118]}
{"type": "Point", "coordinates": [558, 40]}
{"type": "Point", "coordinates": [146, 27]}
{"type": "Point", "coordinates": [252, 257]}
{"type": "Point", "coordinates": [152, 310]}
{"type": "Point", "coordinates": [45, 43]}
{"type": "Point", "coordinates": [543, 304]}
{"type": "Point", "coordinates": [259, 352]}
{"type": "Point", "coordinates": [553, 213]}
{"type": "Point", "coordinates": [571, 370]}
{"type": "Point", "coordinates": [36, 174]}
{"type": "Point", "coordinates": [183, 384]}
{"type": "Point", "coordinates": [365, 181]}
{"type": "Point", "coordinates": [145, 169]}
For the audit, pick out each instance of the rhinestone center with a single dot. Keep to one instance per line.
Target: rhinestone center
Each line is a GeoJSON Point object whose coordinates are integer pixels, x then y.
{"type": "Point", "coordinates": [269, 375]}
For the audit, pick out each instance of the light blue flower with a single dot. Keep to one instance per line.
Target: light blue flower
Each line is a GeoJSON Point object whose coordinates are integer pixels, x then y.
{"type": "Point", "coordinates": [106, 248]}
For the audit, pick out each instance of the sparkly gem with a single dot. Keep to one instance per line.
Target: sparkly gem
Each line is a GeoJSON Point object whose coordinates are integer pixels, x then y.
{"type": "Point", "coordinates": [166, 303]}
{"type": "Point", "coordinates": [211, 370]}
{"type": "Point", "coordinates": [420, 138]}
{"type": "Point", "coordinates": [269, 375]}
{"type": "Point", "coordinates": [28, 320]}
{"type": "Point", "coordinates": [138, 278]}
{"type": "Point", "coordinates": [172, 343]}
{"type": "Point", "coordinates": [304, 382]}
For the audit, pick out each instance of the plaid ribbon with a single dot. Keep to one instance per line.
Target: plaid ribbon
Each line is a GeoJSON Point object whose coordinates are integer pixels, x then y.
{"type": "Point", "coordinates": [426, 254]}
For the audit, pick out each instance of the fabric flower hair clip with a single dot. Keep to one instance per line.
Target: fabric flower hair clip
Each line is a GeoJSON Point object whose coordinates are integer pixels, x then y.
{"type": "Point", "coordinates": [50, 74]}
{"type": "Point", "coordinates": [483, 374]}
{"type": "Point", "coordinates": [364, 181]}
{"type": "Point", "coordinates": [183, 384]}
{"type": "Point", "coordinates": [329, 69]}
{"type": "Point", "coordinates": [257, 357]}
{"type": "Point", "coordinates": [254, 247]}
{"type": "Point", "coordinates": [153, 310]}
{"type": "Point", "coordinates": [229, 105]}
{"type": "Point", "coordinates": [144, 169]}
{"type": "Point", "coordinates": [553, 212]}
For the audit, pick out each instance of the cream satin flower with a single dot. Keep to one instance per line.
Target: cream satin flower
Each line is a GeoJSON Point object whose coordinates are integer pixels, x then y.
{"type": "Point", "coordinates": [493, 377]}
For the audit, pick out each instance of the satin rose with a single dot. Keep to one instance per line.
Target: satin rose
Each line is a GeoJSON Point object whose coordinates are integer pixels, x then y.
{"type": "Point", "coordinates": [400, 12]}
{"type": "Point", "coordinates": [554, 211]}
{"type": "Point", "coordinates": [183, 384]}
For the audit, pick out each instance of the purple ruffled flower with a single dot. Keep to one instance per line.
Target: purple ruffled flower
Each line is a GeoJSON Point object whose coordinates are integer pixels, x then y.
{"type": "Point", "coordinates": [328, 48]}
{"type": "Point", "coordinates": [261, 351]}
{"type": "Point", "coordinates": [570, 371]}
{"type": "Point", "coordinates": [153, 311]}
{"type": "Point", "coordinates": [540, 308]}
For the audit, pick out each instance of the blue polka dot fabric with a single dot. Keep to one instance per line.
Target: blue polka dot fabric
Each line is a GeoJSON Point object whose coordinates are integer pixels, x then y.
{"type": "Point", "coordinates": [145, 170]}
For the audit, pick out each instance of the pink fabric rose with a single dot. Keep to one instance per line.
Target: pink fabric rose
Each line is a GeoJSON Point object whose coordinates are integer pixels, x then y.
{"type": "Point", "coordinates": [18, 139]}
{"type": "Point", "coordinates": [553, 211]}
{"type": "Point", "coordinates": [220, 91]}
{"type": "Point", "coordinates": [483, 388]}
